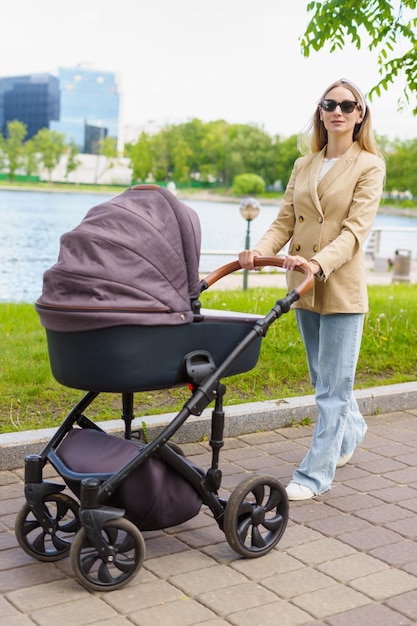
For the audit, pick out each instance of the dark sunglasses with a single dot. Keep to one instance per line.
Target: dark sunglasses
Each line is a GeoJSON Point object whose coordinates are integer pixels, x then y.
{"type": "Point", "coordinates": [347, 106]}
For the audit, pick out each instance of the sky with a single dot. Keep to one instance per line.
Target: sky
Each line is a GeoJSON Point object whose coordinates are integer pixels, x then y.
{"type": "Point", "coordinates": [237, 60]}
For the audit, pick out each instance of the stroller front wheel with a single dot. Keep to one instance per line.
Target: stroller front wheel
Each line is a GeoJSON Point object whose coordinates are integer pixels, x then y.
{"type": "Point", "coordinates": [50, 541]}
{"type": "Point", "coordinates": [256, 516]}
{"type": "Point", "coordinates": [128, 552]}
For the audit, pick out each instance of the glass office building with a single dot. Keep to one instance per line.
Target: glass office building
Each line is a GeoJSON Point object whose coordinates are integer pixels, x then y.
{"type": "Point", "coordinates": [89, 107]}
{"type": "Point", "coordinates": [82, 104]}
{"type": "Point", "coordinates": [32, 99]}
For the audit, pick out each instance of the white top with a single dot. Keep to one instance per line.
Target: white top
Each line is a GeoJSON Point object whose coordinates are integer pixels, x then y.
{"type": "Point", "coordinates": [327, 165]}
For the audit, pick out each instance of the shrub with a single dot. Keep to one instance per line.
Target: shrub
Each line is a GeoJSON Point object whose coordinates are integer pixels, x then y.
{"type": "Point", "coordinates": [248, 184]}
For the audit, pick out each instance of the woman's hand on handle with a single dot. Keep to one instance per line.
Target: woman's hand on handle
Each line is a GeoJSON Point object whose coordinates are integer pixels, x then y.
{"type": "Point", "coordinates": [246, 259]}
{"type": "Point", "coordinates": [292, 262]}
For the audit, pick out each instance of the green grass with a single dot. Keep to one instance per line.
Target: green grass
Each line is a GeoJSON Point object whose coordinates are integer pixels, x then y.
{"type": "Point", "coordinates": [30, 398]}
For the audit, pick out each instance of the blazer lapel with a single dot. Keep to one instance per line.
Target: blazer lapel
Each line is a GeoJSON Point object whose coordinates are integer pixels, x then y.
{"type": "Point", "coordinates": [338, 169]}
{"type": "Point", "coordinates": [316, 164]}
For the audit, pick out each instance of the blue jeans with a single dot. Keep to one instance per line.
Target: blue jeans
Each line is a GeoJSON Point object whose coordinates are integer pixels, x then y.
{"type": "Point", "coordinates": [332, 344]}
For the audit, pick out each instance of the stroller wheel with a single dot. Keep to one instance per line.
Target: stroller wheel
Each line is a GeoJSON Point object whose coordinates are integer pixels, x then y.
{"type": "Point", "coordinates": [54, 543]}
{"type": "Point", "coordinates": [128, 551]}
{"type": "Point", "coordinates": [256, 516]}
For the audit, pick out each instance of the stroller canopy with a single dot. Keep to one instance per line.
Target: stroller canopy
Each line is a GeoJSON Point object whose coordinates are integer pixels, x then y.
{"type": "Point", "coordinates": [133, 260]}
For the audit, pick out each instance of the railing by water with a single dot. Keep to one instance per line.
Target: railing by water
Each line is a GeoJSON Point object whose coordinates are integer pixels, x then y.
{"type": "Point", "coordinates": [383, 241]}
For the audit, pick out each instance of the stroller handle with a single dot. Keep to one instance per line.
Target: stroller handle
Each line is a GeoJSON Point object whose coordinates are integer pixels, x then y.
{"type": "Point", "coordinates": [261, 261]}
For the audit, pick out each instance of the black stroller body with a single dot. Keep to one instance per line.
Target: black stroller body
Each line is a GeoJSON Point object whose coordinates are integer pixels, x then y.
{"type": "Point", "coordinates": [110, 333]}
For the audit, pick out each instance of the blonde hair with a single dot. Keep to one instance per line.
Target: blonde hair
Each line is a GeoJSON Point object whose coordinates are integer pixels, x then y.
{"type": "Point", "coordinates": [314, 138]}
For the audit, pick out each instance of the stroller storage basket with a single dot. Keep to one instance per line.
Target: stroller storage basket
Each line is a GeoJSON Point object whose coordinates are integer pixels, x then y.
{"type": "Point", "coordinates": [143, 358]}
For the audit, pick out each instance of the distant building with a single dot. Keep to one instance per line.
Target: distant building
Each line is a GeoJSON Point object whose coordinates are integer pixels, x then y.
{"type": "Point", "coordinates": [89, 107]}
{"type": "Point", "coordinates": [33, 99]}
{"type": "Point", "coordinates": [83, 104]}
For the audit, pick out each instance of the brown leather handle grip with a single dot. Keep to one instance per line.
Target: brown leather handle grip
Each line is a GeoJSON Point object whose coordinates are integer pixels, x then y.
{"type": "Point", "coordinates": [263, 261]}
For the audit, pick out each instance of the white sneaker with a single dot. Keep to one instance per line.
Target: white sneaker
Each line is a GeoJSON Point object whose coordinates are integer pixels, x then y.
{"type": "Point", "coordinates": [295, 491]}
{"type": "Point", "coordinates": [346, 457]}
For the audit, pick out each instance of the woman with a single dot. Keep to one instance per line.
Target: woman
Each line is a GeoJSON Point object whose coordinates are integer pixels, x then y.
{"type": "Point", "coordinates": [326, 214]}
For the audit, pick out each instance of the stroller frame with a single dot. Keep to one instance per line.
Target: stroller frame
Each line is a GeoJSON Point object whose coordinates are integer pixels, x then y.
{"type": "Point", "coordinates": [106, 548]}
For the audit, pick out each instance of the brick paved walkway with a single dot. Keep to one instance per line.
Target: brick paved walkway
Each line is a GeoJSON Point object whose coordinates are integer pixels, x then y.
{"type": "Point", "coordinates": [347, 558]}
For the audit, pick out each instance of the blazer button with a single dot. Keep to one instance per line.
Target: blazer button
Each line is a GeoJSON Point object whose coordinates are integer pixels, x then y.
{"type": "Point", "coordinates": [297, 247]}
{"type": "Point", "coordinates": [320, 220]}
{"type": "Point", "coordinates": [315, 249]}
{"type": "Point", "coordinates": [301, 218]}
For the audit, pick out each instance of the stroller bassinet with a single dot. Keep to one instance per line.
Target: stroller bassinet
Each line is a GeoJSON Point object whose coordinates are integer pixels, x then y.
{"type": "Point", "coordinates": [122, 314]}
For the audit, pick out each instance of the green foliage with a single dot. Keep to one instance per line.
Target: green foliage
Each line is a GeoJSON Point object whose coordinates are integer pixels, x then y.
{"type": "Point", "coordinates": [384, 25]}
{"type": "Point", "coordinates": [12, 146]}
{"type": "Point", "coordinates": [72, 161]}
{"type": "Point", "coordinates": [51, 146]}
{"type": "Point", "coordinates": [248, 184]}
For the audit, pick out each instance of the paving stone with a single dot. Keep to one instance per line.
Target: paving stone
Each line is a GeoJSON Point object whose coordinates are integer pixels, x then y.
{"type": "Point", "coordinates": [399, 493]}
{"type": "Point", "coordinates": [397, 554]}
{"type": "Point", "coordinates": [41, 596]}
{"type": "Point", "coordinates": [405, 527]}
{"type": "Point", "coordinates": [336, 525]}
{"type": "Point", "coordinates": [352, 566]}
{"type": "Point", "coordinates": [22, 577]}
{"type": "Point", "coordinates": [289, 584]}
{"type": "Point", "coordinates": [78, 613]}
{"type": "Point", "coordinates": [160, 546]}
{"type": "Point", "coordinates": [369, 484]}
{"type": "Point", "coordinates": [278, 612]}
{"type": "Point", "coordinates": [406, 604]}
{"type": "Point", "coordinates": [316, 552]}
{"type": "Point", "coordinates": [369, 616]}
{"type": "Point", "coordinates": [354, 502]}
{"type": "Point", "coordinates": [324, 603]}
{"type": "Point", "coordinates": [125, 601]}
{"type": "Point", "coordinates": [384, 513]}
{"type": "Point", "coordinates": [381, 466]}
{"type": "Point", "coordinates": [236, 598]}
{"type": "Point", "coordinates": [171, 565]}
{"type": "Point", "coordinates": [312, 510]}
{"type": "Point", "coordinates": [404, 476]}
{"type": "Point", "coordinates": [370, 538]}
{"type": "Point", "coordinates": [16, 620]}
{"type": "Point", "coordinates": [296, 535]}
{"type": "Point", "coordinates": [7, 609]}
{"type": "Point", "coordinates": [384, 584]}
{"type": "Point", "coordinates": [185, 612]}
{"type": "Point", "coordinates": [275, 562]}
{"type": "Point", "coordinates": [208, 579]}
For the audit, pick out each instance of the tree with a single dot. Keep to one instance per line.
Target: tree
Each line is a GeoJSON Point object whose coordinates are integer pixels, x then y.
{"type": "Point", "coordinates": [141, 158]}
{"type": "Point", "coordinates": [401, 159]}
{"type": "Point", "coordinates": [51, 146]}
{"type": "Point", "coordinates": [390, 27]}
{"type": "Point", "coordinates": [12, 146]}
{"type": "Point", "coordinates": [30, 159]}
{"type": "Point", "coordinates": [72, 161]}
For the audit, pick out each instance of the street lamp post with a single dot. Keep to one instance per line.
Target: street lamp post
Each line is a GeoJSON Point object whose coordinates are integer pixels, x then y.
{"type": "Point", "coordinates": [249, 209]}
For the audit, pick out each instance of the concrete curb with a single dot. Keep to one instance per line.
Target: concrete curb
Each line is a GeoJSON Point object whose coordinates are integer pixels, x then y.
{"type": "Point", "coordinates": [240, 419]}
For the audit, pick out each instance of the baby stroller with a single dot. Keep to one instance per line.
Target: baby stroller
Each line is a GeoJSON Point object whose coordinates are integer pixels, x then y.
{"type": "Point", "coordinates": [122, 315]}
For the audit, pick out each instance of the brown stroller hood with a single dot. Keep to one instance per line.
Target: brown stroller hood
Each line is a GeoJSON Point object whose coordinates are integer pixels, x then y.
{"type": "Point", "coordinates": [133, 260]}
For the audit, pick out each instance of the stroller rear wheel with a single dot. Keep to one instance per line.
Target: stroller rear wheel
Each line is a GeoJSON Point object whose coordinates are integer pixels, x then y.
{"type": "Point", "coordinates": [52, 543]}
{"type": "Point", "coordinates": [256, 516]}
{"type": "Point", "coordinates": [127, 546]}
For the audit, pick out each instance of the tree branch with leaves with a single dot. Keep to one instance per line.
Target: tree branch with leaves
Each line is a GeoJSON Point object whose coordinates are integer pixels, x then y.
{"type": "Point", "coordinates": [390, 28]}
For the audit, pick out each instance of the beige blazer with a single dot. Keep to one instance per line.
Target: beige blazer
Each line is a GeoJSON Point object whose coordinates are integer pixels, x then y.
{"type": "Point", "coordinates": [329, 222]}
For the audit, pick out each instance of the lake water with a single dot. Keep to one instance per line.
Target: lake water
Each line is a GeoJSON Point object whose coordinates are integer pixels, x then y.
{"type": "Point", "coordinates": [31, 224]}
